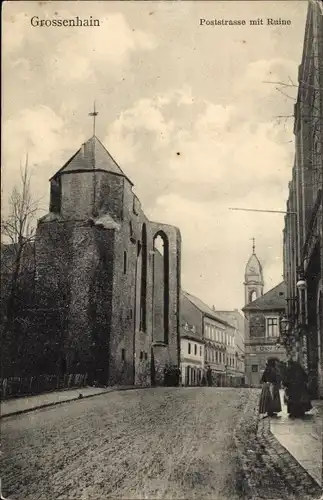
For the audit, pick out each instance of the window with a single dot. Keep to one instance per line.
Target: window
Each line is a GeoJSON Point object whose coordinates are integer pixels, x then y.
{"type": "Point", "coordinates": [195, 349]}
{"type": "Point", "coordinates": [201, 351]}
{"type": "Point", "coordinates": [189, 348]}
{"type": "Point", "coordinates": [161, 286]}
{"type": "Point", "coordinates": [146, 356]}
{"type": "Point", "coordinates": [123, 354]}
{"type": "Point", "coordinates": [124, 262]}
{"type": "Point", "coordinates": [55, 195]}
{"type": "Point", "coordinates": [141, 355]}
{"type": "Point", "coordinates": [272, 327]}
{"type": "Point", "coordinates": [143, 283]}
{"type": "Point", "coordinates": [254, 368]}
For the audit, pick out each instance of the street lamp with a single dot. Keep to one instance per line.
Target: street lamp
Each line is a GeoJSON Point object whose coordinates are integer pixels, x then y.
{"type": "Point", "coordinates": [284, 324]}
{"type": "Point", "coordinates": [301, 284]}
{"type": "Point", "coordinates": [283, 327]}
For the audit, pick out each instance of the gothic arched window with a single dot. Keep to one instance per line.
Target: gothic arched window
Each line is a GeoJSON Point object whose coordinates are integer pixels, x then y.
{"type": "Point", "coordinates": [143, 287]}
{"type": "Point", "coordinates": [161, 287]}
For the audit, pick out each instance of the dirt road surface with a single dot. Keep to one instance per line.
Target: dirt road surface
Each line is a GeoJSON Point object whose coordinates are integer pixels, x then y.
{"type": "Point", "coordinates": [163, 443]}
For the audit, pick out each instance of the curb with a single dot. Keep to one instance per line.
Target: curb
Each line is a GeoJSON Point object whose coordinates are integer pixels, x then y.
{"type": "Point", "coordinates": [259, 445]}
{"type": "Point", "coordinates": [56, 403]}
{"type": "Point", "coordinates": [295, 475]}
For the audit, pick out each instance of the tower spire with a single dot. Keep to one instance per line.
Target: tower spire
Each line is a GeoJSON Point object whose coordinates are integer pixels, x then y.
{"type": "Point", "coordinates": [94, 113]}
{"type": "Point", "coordinates": [253, 245]}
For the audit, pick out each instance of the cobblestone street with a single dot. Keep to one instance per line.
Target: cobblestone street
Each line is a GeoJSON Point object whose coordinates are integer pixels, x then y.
{"type": "Point", "coordinates": [151, 443]}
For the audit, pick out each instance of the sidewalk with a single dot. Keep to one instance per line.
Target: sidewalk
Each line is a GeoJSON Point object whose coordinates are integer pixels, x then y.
{"type": "Point", "coordinates": [30, 403]}
{"type": "Point", "coordinates": [302, 437]}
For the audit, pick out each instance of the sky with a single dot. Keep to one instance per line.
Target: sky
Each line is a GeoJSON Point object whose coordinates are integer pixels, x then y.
{"type": "Point", "coordinates": [163, 85]}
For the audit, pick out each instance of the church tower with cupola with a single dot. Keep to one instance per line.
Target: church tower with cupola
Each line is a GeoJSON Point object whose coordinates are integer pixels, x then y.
{"type": "Point", "coordinates": [253, 280]}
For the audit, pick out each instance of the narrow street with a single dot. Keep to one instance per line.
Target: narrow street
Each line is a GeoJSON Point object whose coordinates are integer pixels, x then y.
{"type": "Point", "coordinates": [151, 443]}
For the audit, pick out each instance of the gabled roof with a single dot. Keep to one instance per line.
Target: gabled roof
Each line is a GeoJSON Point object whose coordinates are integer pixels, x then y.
{"type": "Point", "coordinates": [205, 309]}
{"type": "Point", "coordinates": [274, 299]}
{"type": "Point", "coordinates": [92, 154]}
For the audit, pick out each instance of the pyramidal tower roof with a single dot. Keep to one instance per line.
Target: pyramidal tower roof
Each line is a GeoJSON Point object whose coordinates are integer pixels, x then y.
{"type": "Point", "coordinates": [91, 155]}
{"type": "Point", "coordinates": [253, 270]}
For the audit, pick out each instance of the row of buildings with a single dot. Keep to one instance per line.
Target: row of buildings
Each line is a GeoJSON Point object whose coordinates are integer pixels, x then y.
{"type": "Point", "coordinates": [303, 240]}
{"type": "Point", "coordinates": [210, 339]}
{"type": "Point", "coordinates": [288, 320]}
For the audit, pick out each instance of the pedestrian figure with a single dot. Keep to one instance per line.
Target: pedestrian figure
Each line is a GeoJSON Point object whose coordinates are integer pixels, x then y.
{"type": "Point", "coordinates": [269, 398]}
{"type": "Point", "coordinates": [209, 376]}
{"type": "Point", "coordinates": [203, 381]}
{"type": "Point", "coordinates": [296, 389]}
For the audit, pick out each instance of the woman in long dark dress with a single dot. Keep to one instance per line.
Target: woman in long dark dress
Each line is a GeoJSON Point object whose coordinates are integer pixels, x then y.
{"type": "Point", "coordinates": [270, 399]}
{"type": "Point", "coordinates": [297, 394]}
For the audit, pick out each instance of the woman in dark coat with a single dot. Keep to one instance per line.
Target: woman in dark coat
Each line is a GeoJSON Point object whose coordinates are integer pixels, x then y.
{"type": "Point", "coordinates": [270, 399]}
{"type": "Point", "coordinates": [297, 394]}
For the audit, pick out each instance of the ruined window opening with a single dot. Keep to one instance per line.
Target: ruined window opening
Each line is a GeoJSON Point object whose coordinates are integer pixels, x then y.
{"type": "Point", "coordinates": [123, 355]}
{"type": "Point", "coordinates": [143, 285]}
{"type": "Point", "coordinates": [146, 356]}
{"type": "Point", "coordinates": [55, 195]}
{"type": "Point", "coordinates": [124, 262]}
{"type": "Point", "coordinates": [161, 249]}
{"type": "Point", "coordinates": [141, 355]}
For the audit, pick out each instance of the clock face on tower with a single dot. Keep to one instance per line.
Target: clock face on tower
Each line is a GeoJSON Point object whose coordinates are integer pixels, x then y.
{"type": "Point", "coordinates": [252, 270]}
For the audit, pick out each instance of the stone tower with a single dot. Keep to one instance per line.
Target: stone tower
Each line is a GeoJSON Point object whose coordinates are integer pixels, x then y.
{"type": "Point", "coordinates": [254, 281]}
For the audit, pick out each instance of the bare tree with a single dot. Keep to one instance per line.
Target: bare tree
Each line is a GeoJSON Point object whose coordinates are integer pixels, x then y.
{"type": "Point", "coordinates": [17, 231]}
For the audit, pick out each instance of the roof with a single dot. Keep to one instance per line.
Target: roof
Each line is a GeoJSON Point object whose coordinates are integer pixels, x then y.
{"type": "Point", "coordinates": [232, 315]}
{"type": "Point", "coordinates": [253, 269]}
{"type": "Point", "coordinates": [92, 154]}
{"type": "Point", "coordinates": [205, 309]}
{"type": "Point", "coordinates": [274, 299]}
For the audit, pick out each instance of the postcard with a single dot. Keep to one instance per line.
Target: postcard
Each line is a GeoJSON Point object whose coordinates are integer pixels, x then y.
{"type": "Point", "coordinates": [161, 250]}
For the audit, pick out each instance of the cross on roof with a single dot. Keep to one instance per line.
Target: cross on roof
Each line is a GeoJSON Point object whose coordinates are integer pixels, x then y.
{"type": "Point", "coordinates": [253, 245]}
{"type": "Point", "coordinates": [94, 113]}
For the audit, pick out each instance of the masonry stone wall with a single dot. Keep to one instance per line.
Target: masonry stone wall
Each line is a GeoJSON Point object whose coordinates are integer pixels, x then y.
{"type": "Point", "coordinates": [104, 263]}
{"type": "Point", "coordinates": [74, 273]}
{"type": "Point", "coordinates": [80, 191]}
{"type": "Point", "coordinates": [170, 352]}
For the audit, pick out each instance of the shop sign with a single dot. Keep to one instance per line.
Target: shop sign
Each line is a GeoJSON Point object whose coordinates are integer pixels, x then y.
{"type": "Point", "coordinates": [267, 348]}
